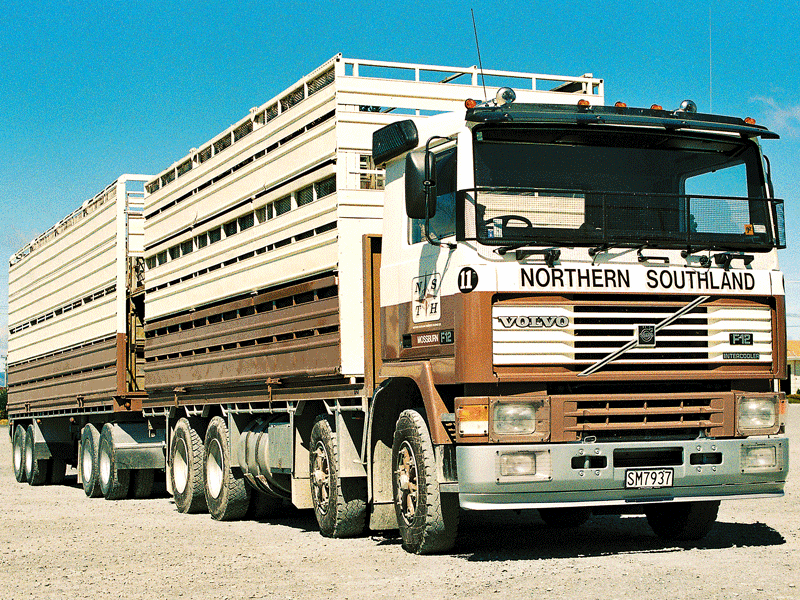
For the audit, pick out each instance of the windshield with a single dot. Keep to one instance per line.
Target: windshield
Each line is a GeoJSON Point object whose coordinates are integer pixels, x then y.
{"type": "Point", "coordinates": [584, 186]}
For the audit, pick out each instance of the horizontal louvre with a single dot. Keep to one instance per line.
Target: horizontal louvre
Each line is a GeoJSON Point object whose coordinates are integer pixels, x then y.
{"type": "Point", "coordinates": [629, 415]}
{"type": "Point", "coordinates": [582, 333]}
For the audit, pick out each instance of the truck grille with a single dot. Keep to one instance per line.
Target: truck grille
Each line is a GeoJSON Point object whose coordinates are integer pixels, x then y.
{"type": "Point", "coordinates": [581, 332]}
{"type": "Point", "coordinates": [630, 416]}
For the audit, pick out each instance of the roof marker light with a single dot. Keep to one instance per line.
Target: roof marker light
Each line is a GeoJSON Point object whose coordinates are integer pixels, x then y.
{"type": "Point", "coordinates": [656, 107]}
{"type": "Point", "coordinates": [620, 105]}
{"type": "Point", "coordinates": [583, 102]}
{"type": "Point", "coordinates": [470, 103]}
{"type": "Point", "coordinates": [750, 121]}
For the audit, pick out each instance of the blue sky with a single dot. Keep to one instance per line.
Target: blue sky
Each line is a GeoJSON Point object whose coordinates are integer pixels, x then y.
{"type": "Point", "coordinates": [92, 90]}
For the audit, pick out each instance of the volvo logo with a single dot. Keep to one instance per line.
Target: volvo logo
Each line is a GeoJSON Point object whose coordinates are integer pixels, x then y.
{"type": "Point", "coordinates": [524, 322]}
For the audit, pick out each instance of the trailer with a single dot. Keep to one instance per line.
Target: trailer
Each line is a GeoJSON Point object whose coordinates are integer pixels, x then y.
{"type": "Point", "coordinates": [395, 291]}
{"type": "Point", "coordinates": [76, 349]}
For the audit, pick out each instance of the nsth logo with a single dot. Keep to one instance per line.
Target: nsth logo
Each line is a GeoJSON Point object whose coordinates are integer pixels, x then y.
{"type": "Point", "coordinates": [523, 322]}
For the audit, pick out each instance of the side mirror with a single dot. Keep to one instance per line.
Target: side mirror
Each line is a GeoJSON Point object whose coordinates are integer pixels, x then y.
{"type": "Point", "coordinates": [420, 177]}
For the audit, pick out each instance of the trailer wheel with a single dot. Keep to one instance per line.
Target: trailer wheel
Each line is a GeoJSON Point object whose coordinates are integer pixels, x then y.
{"type": "Point", "coordinates": [428, 519]}
{"type": "Point", "coordinates": [18, 453]}
{"type": "Point", "coordinates": [186, 472]}
{"type": "Point", "coordinates": [682, 520]}
{"type": "Point", "coordinates": [566, 517]}
{"type": "Point", "coordinates": [56, 471]}
{"type": "Point", "coordinates": [90, 461]}
{"type": "Point", "coordinates": [142, 483]}
{"type": "Point", "coordinates": [114, 482]}
{"type": "Point", "coordinates": [227, 495]}
{"type": "Point", "coordinates": [35, 469]}
{"type": "Point", "coordinates": [340, 505]}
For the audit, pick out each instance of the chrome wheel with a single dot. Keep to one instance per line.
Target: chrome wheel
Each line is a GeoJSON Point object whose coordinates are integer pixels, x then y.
{"type": "Point", "coordinates": [180, 466]}
{"type": "Point", "coordinates": [214, 466]}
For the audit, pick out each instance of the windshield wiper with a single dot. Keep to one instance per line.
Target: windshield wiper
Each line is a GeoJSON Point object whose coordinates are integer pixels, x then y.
{"type": "Point", "coordinates": [705, 261]}
{"type": "Point", "coordinates": [551, 255]}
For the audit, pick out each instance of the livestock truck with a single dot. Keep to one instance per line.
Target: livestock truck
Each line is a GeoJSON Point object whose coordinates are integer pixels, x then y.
{"type": "Point", "coordinates": [394, 292]}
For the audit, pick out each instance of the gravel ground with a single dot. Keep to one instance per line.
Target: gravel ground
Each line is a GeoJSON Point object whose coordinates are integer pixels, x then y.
{"type": "Point", "coordinates": [57, 543]}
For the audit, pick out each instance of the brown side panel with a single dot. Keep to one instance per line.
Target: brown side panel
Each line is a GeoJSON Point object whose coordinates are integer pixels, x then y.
{"type": "Point", "coordinates": [291, 332]}
{"type": "Point", "coordinates": [83, 377]}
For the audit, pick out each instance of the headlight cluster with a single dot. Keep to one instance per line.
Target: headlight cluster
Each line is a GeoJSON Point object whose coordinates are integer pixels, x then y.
{"type": "Point", "coordinates": [759, 414]}
{"type": "Point", "coordinates": [503, 419]}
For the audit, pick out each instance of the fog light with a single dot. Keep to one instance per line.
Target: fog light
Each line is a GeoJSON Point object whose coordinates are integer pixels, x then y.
{"type": "Point", "coordinates": [760, 457]}
{"type": "Point", "coordinates": [527, 464]}
{"type": "Point", "coordinates": [518, 464]}
{"type": "Point", "coordinates": [514, 418]}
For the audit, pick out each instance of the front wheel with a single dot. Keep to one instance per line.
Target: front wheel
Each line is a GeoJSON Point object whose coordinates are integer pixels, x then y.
{"type": "Point", "coordinates": [340, 505]}
{"type": "Point", "coordinates": [428, 519]}
{"type": "Point", "coordinates": [682, 521]}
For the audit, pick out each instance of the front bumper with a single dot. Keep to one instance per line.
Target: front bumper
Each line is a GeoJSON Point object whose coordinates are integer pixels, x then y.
{"type": "Point", "coordinates": [585, 474]}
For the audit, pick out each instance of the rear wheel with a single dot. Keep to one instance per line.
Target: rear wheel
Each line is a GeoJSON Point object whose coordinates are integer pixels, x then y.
{"type": "Point", "coordinates": [89, 461]}
{"type": "Point", "coordinates": [428, 519]}
{"type": "Point", "coordinates": [186, 469]}
{"type": "Point", "coordinates": [227, 494]}
{"type": "Point", "coordinates": [18, 453]}
{"type": "Point", "coordinates": [114, 482]}
{"type": "Point", "coordinates": [682, 520]}
{"type": "Point", "coordinates": [35, 468]}
{"type": "Point", "coordinates": [340, 505]}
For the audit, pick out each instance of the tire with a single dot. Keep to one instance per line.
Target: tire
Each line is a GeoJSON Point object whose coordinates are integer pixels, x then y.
{"type": "Point", "coordinates": [565, 517]}
{"type": "Point", "coordinates": [141, 483]}
{"type": "Point", "coordinates": [682, 520]}
{"type": "Point", "coordinates": [340, 504]}
{"type": "Point", "coordinates": [56, 471]}
{"type": "Point", "coordinates": [114, 482]}
{"type": "Point", "coordinates": [89, 461]}
{"type": "Point", "coordinates": [427, 519]}
{"type": "Point", "coordinates": [18, 454]}
{"type": "Point", "coordinates": [227, 495]}
{"type": "Point", "coordinates": [186, 472]}
{"type": "Point", "coordinates": [35, 469]}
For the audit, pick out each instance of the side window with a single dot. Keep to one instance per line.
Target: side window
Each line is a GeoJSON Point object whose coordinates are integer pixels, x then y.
{"type": "Point", "coordinates": [443, 223]}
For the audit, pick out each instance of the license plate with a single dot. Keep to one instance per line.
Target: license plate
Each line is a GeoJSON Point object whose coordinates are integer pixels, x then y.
{"type": "Point", "coordinates": [648, 478]}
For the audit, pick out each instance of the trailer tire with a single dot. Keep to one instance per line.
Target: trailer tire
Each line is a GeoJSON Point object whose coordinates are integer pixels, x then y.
{"type": "Point", "coordinates": [35, 469]}
{"type": "Point", "coordinates": [687, 521]}
{"type": "Point", "coordinates": [18, 454]}
{"type": "Point", "coordinates": [114, 482]}
{"type": "Point", "coordinates": [227, 495]}
{"type": "Point", "coordinates": [340, 504]}
{"type": "Point", "coordinates": [186, 472]}
{"type": "Point", "coordinates": [142, 483]}
{"type": "Point", "coordinates": [427, 519]}
{"type": "Point", "coordinates": [565, 517]}
{"type": "Point", "coordinates": [90, 462]}
{"type": "Point", "coordinates": [56, 471]}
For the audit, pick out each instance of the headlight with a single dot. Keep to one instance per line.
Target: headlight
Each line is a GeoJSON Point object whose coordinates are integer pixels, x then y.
{"type": "Point", "coordinates": [514, 418]}
{"type": "Point", "coordinates": [758, 414]}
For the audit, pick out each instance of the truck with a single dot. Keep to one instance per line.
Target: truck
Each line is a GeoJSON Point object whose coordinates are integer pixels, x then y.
{"type": "Point", "coordinates": [395, 292]}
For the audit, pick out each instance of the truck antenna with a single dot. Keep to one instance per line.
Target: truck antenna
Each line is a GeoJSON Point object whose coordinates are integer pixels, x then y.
{"type": "Point", "coordinates": [480, 64]}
